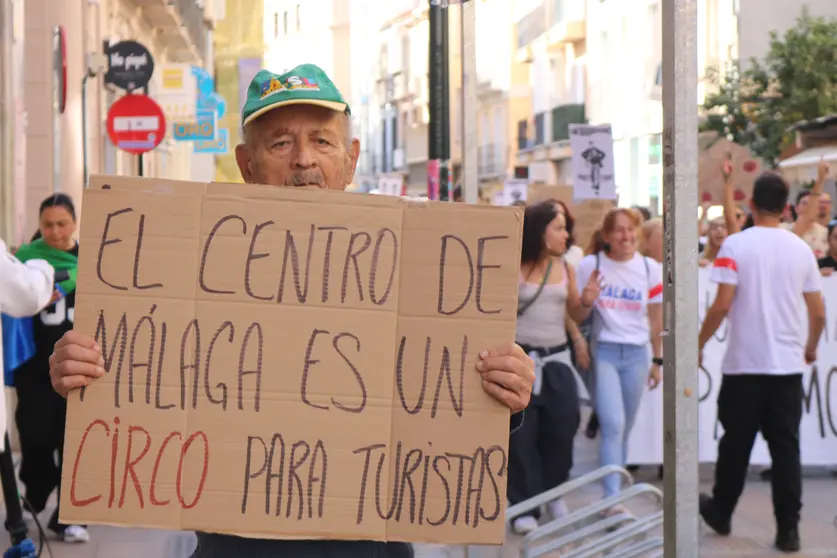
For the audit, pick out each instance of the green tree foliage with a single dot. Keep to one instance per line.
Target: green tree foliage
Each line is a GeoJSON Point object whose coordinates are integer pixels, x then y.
{"type": "Point", "coordinates": [795, 81]}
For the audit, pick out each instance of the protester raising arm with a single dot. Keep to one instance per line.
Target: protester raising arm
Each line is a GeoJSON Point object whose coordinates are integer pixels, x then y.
{"type": "Point", "coordinates": [730, 211]}
{"type": "Point", "coordinates": [25, 289]}
{"type": "Point", "coordinates": [808, 217]}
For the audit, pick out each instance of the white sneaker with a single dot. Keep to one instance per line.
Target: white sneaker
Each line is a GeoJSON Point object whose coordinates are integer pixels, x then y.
{"type": "Point", "coordinates": [76, 534]}
{"type": "Point", "coordinates": [525, 524]}
{"type": "Point", "coordinates": [558, 508]}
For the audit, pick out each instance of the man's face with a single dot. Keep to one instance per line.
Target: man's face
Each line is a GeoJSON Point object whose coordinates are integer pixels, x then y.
{"type": "Point", "coordinates": [299, 145]}
{"type": "Point", "coordinates": [825, 206]}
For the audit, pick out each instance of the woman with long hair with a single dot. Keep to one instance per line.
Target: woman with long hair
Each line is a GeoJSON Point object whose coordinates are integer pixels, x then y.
{"type": "Point", "coordinates": [41, 412]}
{"type": "Point", "coordinates": [541, 450]}
{"type": "Point", "coordinates": [627, 316]}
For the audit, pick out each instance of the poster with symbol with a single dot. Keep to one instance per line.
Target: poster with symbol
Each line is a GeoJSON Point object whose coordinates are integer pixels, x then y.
{"type": "Point", "coordinates": [515, 191]}
{"type": "Point", "coordinates": [592, 162]}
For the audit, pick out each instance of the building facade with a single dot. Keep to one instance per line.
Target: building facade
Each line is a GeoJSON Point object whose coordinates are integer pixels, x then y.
{"type": "Point", "coordinates": [53, 150]}
{"type": "Point", "coordinates": [552, 42]}
{"type": "Point", "coordinates": [624, 81]}
{"type": "Point", "coordinates": [239, 51]}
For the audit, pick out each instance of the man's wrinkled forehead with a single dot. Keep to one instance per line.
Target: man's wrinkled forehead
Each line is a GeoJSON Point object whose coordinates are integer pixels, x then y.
{"type": "Point", "coordinates": [300, 118]}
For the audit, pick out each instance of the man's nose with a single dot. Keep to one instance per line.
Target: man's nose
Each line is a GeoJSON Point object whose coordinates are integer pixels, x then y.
{"type": "Point", "coordinates": [304, 157]}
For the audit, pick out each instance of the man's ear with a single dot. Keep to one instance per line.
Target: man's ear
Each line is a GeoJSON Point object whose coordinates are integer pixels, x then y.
{"type": "Point", "coordinates": [243, 158]}
{"type": "Point", "coordinates": [354, 155]}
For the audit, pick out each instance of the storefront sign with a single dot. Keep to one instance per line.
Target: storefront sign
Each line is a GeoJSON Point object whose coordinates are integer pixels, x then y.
{"type": "Point", "coordinates": [130, 65]}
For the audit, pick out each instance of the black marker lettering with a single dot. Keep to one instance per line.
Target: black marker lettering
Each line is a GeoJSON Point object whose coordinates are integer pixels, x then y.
{"type": "Point", "coordinates": [373, 268]}
{"type": "Point", "coordinates": [481, 267]}
{"type": "Point", "coordinates": [192, 329]}
{"type": "Point", "coordinates": [210, 351]}
{"type": "Point", "coordinates": [443, 259]}
{"type": "Point", "coordinates": [107, 241]}
{"type": "Point", "coordinates": [303, 391]}
{"type": "Point", "coordinates": [257, 371]}
{"type": "Point", "coordinates": [327, 258]}
{"type": "Point", "coordinates": [137, 254]}
{"type": "Point", "coordinates": [147, 363]}
{"type": "Point", "coordinates": [209, 239]}
{"type": "Point", "coordinates": [253, 256]}
{"type": "Point", "coordinates": [290, 250]}
{"type": "Point", "coordinates": [358, 378]}
{"type": "Point", "coordinates": [109, 353]}
{"type": "Point", "coordinates": [352, 254]}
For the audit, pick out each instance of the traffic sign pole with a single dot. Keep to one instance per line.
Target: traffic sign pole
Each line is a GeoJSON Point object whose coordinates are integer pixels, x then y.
{"type": "Point", "coordinates": [680, 269]}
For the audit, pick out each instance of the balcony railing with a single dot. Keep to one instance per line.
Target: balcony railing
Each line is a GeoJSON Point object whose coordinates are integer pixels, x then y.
{"type": "Point", "coordinates": [562, 117]}
{"type": "Point", "coordinates": [491, 160]}
{"type": "Point", "coordinates": [531, 26]}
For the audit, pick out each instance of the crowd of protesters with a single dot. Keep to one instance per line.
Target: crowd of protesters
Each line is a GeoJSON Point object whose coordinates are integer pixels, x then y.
{"type": "Point", "coordinates": [591, 317]}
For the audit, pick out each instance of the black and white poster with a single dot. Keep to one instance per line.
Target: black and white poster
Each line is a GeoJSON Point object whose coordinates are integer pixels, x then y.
{"type": "Point", "coordinates": [592, 162]}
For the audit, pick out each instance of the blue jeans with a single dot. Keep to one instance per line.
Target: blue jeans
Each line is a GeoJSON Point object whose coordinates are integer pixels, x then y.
{"type": "Point", "coordinates": [621, 379]}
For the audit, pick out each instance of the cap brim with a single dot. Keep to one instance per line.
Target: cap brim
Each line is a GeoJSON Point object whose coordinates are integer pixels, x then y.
{"type": "Point", "coordinates": [338, 107]}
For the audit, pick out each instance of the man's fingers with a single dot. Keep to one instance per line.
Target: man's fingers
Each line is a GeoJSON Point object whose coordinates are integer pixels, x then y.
{"type": "Point", "coordinates": [76, 368]}
{"type": "Point", "coordinates": [508, 380]}
{"type": "Point", "coordinates": [78, 353]}
{"type": "Point", "coordinates": [501, 394]}
{"type": "Point", "coordinates": [68, 384]}
{"type": "Point", "coordinates": [505, 362]}
{"type": "Point", "coordinates": [73, 337]}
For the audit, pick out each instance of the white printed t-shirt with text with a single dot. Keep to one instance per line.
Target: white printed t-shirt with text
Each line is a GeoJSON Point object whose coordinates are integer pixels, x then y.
{"type": "Point", "coordinates": [622, 307]}
{"type": "Point", "coordinates": [771, 268]}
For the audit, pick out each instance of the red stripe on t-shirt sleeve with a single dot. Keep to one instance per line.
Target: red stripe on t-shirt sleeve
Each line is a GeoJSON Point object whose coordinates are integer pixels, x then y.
{"type": "Point", "coordinates": [727, 263]}
{"type": "Point", "coordinates": [655, 291]}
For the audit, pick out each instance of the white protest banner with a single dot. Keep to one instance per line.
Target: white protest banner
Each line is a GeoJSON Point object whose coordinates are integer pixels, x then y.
{"type": "Point", "coordinates": [818, 431]}
{"type": "Point", "coordinates": [592, 162]}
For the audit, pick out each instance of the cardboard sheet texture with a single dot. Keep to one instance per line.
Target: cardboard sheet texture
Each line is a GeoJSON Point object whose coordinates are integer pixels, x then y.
{"type": "Point", "coordinates": [291, 364]}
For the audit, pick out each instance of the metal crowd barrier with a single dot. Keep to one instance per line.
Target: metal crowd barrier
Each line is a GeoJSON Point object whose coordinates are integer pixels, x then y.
{"type": "Point", "coordinates": [620, 536]}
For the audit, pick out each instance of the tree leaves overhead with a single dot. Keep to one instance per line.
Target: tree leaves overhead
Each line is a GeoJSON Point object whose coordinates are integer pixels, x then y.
{"type": "Point", "coordinates": [795, 81]}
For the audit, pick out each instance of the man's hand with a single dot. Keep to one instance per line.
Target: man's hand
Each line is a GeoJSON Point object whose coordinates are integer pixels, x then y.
{"type": "Point", "coordinates": [727, 169]}
{"type": "Point", "coordinates": [810, 355]}
{"type": "Point", "coordinates": [75, 362]}
{"type": "Point", "coordinates": [827, 272]}
{"type": "Point", "coordinates": [508, 375]}
{"type": "Point", "coordinates": [822, 170]}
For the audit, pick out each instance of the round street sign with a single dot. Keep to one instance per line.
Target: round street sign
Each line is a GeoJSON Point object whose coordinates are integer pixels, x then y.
{"type": "Point", "coordinates": [130, 65]}
{"type": "Point", "coordinates": [136, 124]}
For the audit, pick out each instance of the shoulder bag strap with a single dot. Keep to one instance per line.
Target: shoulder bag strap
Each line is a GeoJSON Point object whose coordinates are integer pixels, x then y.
{"type": "Point", "coordinates": [521, 308]}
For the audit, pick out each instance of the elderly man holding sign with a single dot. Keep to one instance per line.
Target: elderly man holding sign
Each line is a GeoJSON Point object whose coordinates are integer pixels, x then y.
{"type": "Point", "coordinates": [297, 133]}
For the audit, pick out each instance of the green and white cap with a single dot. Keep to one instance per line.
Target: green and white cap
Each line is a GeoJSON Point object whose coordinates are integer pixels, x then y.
{"type": "Point", "coordinates": [306, 84]}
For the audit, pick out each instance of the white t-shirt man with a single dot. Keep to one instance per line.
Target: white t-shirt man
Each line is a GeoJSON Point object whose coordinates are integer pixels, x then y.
{"type": "Point", "coordinates": [771, 267]}
{"type": "Point", "coordinates": [622, 307]}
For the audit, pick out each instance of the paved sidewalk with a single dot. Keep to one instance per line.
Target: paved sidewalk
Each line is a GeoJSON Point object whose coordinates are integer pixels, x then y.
{"type": "Point", "coordinates": [752, 528]}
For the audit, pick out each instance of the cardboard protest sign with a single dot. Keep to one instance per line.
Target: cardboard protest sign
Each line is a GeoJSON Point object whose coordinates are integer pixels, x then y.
{"type": "Point", "coordinates": [288, 363]}
{"type": "Point", "coordinates": [588, 216]}
{"type": "Point", "coordinates": [541, 192]}
{"type": "Point", "coordinates": [714, 150]}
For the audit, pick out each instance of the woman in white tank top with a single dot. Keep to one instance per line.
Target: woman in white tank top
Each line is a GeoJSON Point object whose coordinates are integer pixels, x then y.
{"type": "Point", "coordinates": [541, 451]}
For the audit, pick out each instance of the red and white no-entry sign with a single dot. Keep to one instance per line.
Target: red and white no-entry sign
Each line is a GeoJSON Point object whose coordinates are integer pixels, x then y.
{"type": "Point", "coordinates": [136, 124]}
